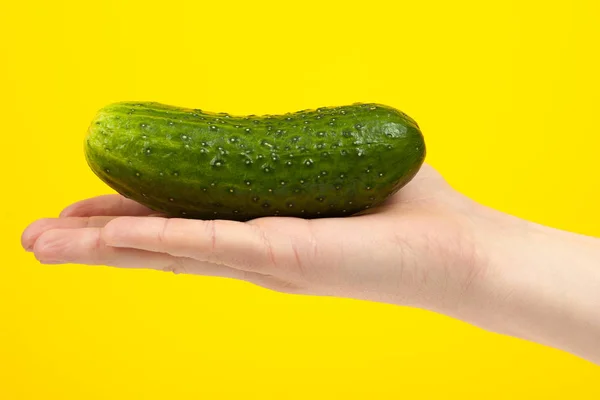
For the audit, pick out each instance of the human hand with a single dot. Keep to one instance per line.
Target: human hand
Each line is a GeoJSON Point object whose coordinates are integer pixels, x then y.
{"type": "Point", "coordinates": [417, 249]}
{"type": "Point", "coordinates": [428, 247]}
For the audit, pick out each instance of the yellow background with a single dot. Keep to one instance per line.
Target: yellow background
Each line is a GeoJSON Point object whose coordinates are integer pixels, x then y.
{"type": "Point", "coordinates": [507, 94]}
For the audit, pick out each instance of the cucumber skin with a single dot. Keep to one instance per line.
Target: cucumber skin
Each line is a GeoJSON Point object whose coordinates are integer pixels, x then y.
{"type": "Point", "coordinates": [187, 163]}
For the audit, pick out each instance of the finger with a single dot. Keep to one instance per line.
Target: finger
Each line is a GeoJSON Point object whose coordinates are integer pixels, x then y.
{"type": "Point", "coordinates": [106, 205]}
{"type": "Point", "coordinates": [85, 246]}
{"type": "Point", "coordinates": [236, 244]}
{"type": "Point", "coordinates": [34, 230]}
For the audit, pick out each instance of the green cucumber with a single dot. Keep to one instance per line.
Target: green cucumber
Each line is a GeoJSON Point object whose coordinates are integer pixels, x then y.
{"type": "Point", "coordinates": [327, 162]}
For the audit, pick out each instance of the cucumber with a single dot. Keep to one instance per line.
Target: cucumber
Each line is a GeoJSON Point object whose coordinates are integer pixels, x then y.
{"type": "Point", "coordinates": [189, 163]}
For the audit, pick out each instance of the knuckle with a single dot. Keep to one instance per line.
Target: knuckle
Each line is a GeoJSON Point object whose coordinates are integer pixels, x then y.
{"type": "Point", "coordinates": [97, 249]}
{"type": "Point", "coordinates": [266, 244]}
{"type": "Point", "coordinates": [163, 233]}
{"type": "Point", "coordinates": [211, 227]}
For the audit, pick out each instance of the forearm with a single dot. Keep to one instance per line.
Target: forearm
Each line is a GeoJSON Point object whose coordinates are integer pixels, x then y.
{"type": "Point", "coordinates": [544, 286]}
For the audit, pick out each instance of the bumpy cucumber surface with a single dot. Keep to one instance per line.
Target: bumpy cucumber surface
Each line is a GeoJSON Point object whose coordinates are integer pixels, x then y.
{"type": "Point", "coordinates": [327, 162]}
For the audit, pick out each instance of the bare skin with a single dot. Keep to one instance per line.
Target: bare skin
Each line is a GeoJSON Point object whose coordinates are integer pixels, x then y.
{"type": "Point", "coordinates": [428, 247]}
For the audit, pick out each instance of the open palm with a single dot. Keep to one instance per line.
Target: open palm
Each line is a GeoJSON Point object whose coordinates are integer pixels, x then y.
{"type": "Point", "coordinates": [416, 249]}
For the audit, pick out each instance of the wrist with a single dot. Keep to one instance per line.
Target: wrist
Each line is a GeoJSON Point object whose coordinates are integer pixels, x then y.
{"type": "Point", "coordinates": [542, 285]}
